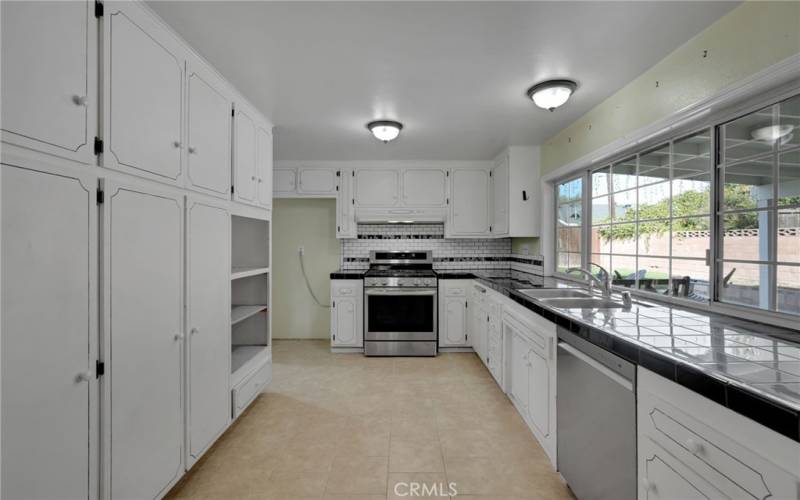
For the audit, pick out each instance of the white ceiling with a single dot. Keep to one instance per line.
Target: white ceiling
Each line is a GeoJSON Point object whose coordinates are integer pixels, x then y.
{"type": "Point", "coordinates": [455, 73]}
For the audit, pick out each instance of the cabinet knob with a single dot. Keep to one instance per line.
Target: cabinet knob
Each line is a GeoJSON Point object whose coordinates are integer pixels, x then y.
{"type": "Point", "coordinates": [192, 150]}
{"type": "Point", "coordinates": [178, 337]}
{"type": "Point", "coordinates": [194, 331]}
{"type": "Point", "coordinates": [253, 178]}
{"type": "Point", "coordinates": [177, 144]}
{"type": "Point", "coordinates": [80, 100]}
{"type": "Point", "coordinates": [260, 180]}
{"type": "Point", "coordinates": [694, 447]}
{"type": "Point", "coordinates": [83, 376]}
{"type": "Point", "coordinates": [648, 485]}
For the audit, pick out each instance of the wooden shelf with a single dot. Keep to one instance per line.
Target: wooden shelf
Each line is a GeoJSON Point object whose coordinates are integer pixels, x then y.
{"type": "Point", "coordinates": [245, 359]}
{"type": "Point", "coordinates": [241, 313]}
{"type": "Point", "coordinates": [245, 272]}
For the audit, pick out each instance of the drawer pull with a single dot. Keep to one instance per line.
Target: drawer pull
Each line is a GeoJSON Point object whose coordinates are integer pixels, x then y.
{"type": "Point", "coordinates": [694, 447]}
{"type": "Point", "coordinates": [83, 376]}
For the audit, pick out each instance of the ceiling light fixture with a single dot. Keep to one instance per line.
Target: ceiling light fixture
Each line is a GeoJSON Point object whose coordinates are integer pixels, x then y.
{"type": "Point", "coordinates": [552, 93]}
{"type": "Point", "coordinates": [385, 130]}
{"type": "Point", "coordinates": [773, 133]}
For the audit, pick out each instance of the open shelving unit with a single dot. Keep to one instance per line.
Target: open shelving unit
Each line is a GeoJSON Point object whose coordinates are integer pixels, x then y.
{"type": "Point", "coordinates": [251, 343]}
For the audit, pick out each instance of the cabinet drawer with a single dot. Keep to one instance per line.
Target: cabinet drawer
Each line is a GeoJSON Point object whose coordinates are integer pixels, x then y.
{"type": "Point", "coordinates": [346, 288]}
{"type": "Point", "coordinates": [250, 387]}
{"type": "Point", "coordinates": [737, 470]}
{"type": "Point", "coordinates": [455, 291]}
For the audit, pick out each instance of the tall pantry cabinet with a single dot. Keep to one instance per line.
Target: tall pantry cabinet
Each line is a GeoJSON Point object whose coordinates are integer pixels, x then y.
{"type": "Point", "coordinates": [117, 203]}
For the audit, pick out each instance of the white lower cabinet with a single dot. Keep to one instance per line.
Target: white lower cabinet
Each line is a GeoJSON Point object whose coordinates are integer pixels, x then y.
{"type": "Point", "coordinates": [49, 334]}
{"type": "Point", "coordinates": [142, 256]}
{"type": "Point", "coordinates": [453, 313]}
{"type": "Point", "coordinates": [347, 319]}
{"type": "Point", "coordinates": [478, 320]}
{"type": "Point", "coordinates": [208, 323]}
{"type": "Point", "coordinates": [531, 372]}
{"type": "Point", "coordinates": [683, 437]}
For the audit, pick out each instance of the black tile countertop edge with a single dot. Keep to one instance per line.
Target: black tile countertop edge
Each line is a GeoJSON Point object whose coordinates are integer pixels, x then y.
{"type": "Point", "coordinates": [780, 416]}
{"type": "Point", "coordinates": [345, 274]}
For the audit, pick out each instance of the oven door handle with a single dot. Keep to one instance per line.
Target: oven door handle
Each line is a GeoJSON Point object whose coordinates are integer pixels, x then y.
{"type": "Point", "coordinates": [398, 292]}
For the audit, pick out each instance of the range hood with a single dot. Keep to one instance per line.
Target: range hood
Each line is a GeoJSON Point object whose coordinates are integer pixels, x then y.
{"type": "Point", "coordinates": [400, 215]}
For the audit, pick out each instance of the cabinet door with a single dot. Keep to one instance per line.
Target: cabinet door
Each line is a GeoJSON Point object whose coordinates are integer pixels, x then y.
{"type": "Point", "coordinates": [539, 395]}
{"type": "Point", "coordinates": [345, 213]}
{"type": "Point", "coordinates": [455, 319]}
{"type": "Point", "coordinates": [144, 88]}
{"type": "Point", "coordinates": [345, 318]}
{"type": "Point", "coordinates": [143, 262]}
{"type": "Point", "coordinates": [500, 198]}
{"type": "Point", "coordinates": [264, 168]}
{"type": "Point", "coordinates": [208, 324]}
{"type": "Point", "coordinates": [424, 187]}
{"type": "Point", "coordinates": [49, 303]}
{"type": "Point", "coordinates": [209, 133]}
{"type": "Point", "coordinates": [49, 91]}
{"type": "Point", "coordinates": [469, 199]}
{"type": "Point", "coordinates": [519, 368]}
{"type": "Point", "coordinates": [319, 181]}
{"type": "Point", "coordinates": [244, 157]}
{"type": "Point", "coordinates": [663, 478]}
{"type": "Point", "coordinates": [376, 188]}
{"type": "Point", "coordinates": [285, 181]}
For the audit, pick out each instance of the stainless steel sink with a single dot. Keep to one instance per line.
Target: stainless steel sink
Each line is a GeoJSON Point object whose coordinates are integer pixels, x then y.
{"type": "Point", "coordinates": [584, 303]}
{"type": "Point", "coordinates": [554, 293]}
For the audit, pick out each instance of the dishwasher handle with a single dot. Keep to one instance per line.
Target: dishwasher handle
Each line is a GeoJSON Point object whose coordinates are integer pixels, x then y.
{"type": "Point", "coordinates": [616, 377]}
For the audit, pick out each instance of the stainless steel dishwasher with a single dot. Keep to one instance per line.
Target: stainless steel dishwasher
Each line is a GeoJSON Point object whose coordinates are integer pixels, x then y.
{"type": "Point", "coordinates": [596, 403]}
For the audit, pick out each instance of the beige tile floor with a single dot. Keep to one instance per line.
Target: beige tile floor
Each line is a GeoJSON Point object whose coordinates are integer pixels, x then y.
{"type": "Point", "coordinates": [346, 427]}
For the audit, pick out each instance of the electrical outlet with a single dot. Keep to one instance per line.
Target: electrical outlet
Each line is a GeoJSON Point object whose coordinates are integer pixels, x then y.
{"type": "Point", "coordinates": [301, 250]}
{"type": "Point", "coordinates": [526, 250]}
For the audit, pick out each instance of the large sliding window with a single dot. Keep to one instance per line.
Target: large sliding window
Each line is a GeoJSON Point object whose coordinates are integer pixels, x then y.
{"type": "Point", "coordinates": [650, 224]}
{"type": "Point", "coordinates": [759, 215]}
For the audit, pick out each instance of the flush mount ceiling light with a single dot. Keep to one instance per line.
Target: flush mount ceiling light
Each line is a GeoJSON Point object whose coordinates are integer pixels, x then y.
{"type": "Point", "coordinates": [385, 130]}
{"type": "Point", "coordinates": [552, 93]}
{"type": "Point", "coordinates": [773, 133]}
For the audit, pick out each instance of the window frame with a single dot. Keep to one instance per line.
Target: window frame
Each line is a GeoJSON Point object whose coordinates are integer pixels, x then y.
{"type": "Point", "coordinates": [583, 175]}
{"type": "Point", "coordinates": [713, 122]}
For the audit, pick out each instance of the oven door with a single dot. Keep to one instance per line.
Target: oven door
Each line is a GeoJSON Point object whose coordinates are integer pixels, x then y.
{"type": "Point", "coordinates": [396, 314]}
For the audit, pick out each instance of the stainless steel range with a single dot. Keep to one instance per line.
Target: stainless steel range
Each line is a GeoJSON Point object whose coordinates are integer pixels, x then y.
{"type": "Point", "coordinates": [400, 305]}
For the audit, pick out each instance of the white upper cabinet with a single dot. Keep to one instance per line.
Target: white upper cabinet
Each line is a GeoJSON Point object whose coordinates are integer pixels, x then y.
{"type": "Point", "coordinates": [423, 187]}
{"type": "Point", "coordinates": [376, 187]}
{"type": "Point", "coordinates": [345, 211]}
{"type": "Point", "coordinates": [469, 203]}
{"type": "Point", "coordinates": [285, 182]}
{"type": "Point", "coordinates": [209, 132]}
{"type": "Point", "coordinates": [316, 181]}
{"type": "Point", "coordinates": [500, 197]}
{"type": "Point", "coordinates": [515, 192]}
{"type": "Point", "coordinates": [49, 303]}
{"type": "Point", "coordinates": [144, 89]}
{"type": "Point", "coordinates": [244, 157]}
{"type": "Point", "coordinates": [49, 75]}
{"type": "Point", "coordinates": [264, 165]}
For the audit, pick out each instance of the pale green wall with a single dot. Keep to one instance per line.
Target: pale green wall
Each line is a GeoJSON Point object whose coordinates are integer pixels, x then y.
{"type": "Point", "coordinates": [312, 224]}
{"type": "Point", "coordinates": [748, 39]}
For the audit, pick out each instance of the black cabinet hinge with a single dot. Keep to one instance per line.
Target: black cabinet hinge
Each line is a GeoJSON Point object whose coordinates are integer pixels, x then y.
{"type": "Point", "coordinates": [231, 188]}
{"type": "Point", "coordinates": [490, 173]}
{"type": "Point", "coordinates": [465, 336]}
{"type": "Point", "coordinates": [338, 173]}
{"type": "Point", "coordinates": [101, 196]}
{"type": "Point", "coordinates": [337, 188]}
{"type": "Point", "coordinates": [338, 229]}
{"type": "Point", "coordinates": [333, 304]}
{"type": "Point", "coordinates": [99, 368]}
{"type": "Point", "coordinates": [98, 9]}
{"type": "Point", "coordinates": [233, 112]}
{"type": "Point", "coordinates": [448, 173]}
{"type": "Point", "coordinates": [490, 229]}
{"type": "Point", "coordinates": [447, 201]}
{"type": "Point", "coordinates": [334, 336]}
{"type": "Point", "coordinates": [524, 195]}
{"type": "Point", "coordinates": [353, 173]}
{"type": "Point", "coordinates": [354, 201]}
{"type": "Point", "coordinates": [98, 145]}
